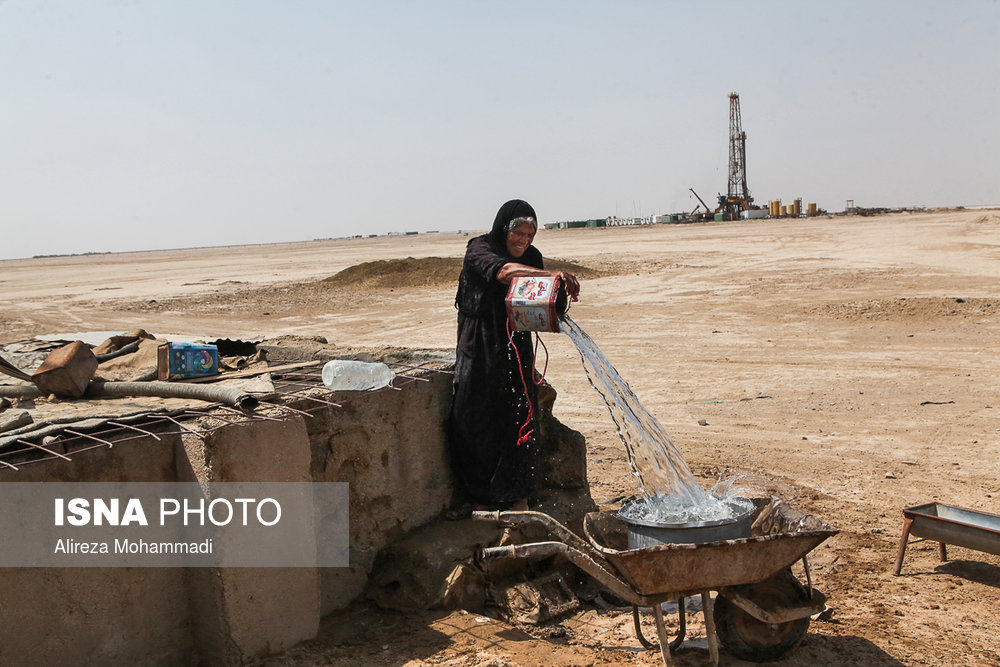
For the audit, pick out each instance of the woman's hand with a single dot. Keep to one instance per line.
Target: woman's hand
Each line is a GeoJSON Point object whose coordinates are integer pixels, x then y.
{"type": "Point", "coordinates": [571, 283]}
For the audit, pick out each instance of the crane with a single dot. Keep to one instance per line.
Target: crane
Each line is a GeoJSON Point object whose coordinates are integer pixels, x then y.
{"type": "Point", "coordinates": [707, 209]}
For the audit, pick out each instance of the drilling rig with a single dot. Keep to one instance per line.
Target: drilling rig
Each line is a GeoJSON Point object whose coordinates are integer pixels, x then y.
{"type": "Point", "coordinates": [738, 197]}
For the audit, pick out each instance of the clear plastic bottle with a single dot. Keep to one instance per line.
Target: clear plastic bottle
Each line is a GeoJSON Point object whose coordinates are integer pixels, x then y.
{"type": "Point", "coordinates": [345, 374]}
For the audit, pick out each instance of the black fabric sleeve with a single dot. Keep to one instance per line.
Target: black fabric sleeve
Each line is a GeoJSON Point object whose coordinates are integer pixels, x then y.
{"type": "Point", "coordinates": [483, 260]}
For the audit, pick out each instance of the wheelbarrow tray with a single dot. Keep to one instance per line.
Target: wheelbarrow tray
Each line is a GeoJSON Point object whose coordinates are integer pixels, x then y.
{"type": "Point", "coordinates": [955, 525]}
{"type": "Point", "coordinates": [780, 535]}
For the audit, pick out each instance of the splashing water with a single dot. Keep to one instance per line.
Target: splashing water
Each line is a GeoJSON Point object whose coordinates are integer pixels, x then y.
{"type": "Point", "coordinates": [670, 493]}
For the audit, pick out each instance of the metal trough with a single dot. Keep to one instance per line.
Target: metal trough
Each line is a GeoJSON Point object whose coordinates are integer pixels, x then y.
{"type": "Point", "coordinates": [948, 524]}
{"type": "Point", "coordinates": [761, 609]}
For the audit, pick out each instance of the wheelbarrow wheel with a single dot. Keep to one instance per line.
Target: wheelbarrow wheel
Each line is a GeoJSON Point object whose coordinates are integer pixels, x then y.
{"type": "Point", "coordinates": [748, 638]}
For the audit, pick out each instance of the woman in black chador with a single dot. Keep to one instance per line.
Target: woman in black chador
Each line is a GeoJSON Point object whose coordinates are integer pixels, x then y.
{"type": "Point", "coordinates": [493, 456]}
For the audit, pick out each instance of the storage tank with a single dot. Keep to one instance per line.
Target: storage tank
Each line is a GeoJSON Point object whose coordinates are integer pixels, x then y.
{"type": "Point", "coordinates": [812, 209]}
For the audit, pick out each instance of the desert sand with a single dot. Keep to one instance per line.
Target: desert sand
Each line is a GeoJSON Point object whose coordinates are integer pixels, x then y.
{"type": "Point", "coordinates": [846, 364]}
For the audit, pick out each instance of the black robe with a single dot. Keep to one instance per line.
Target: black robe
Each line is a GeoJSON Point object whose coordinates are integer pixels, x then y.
{"type": "Point", "coordinates": [490, 405]}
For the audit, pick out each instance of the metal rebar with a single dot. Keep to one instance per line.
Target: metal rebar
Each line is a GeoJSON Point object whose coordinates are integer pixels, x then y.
{"type": "Point", "coordinates": [247, 419]}
{"type": "Point", "coordinates": [136, 428]}
{"type": "Point", "coordinates": [213, 415]}
{"type": "Point", "coordinates": [311, 398]}
{"type": "Point", "coordinates": [183, 427]}
{"type": "Point", "coordinates": [44, 449]}
{"type": "Point", "coordinates": [292, 383]}
{"type": "Point", "coordinates": [413, 377]}
{"type": "Point", "coordinates": [316, 378]}
{"type": "Point", "coordinates": [91, 437]}
{"type": "Point", "coordinates": [285, 407]}
{"type": "Point", "coordinates": [421, 367]}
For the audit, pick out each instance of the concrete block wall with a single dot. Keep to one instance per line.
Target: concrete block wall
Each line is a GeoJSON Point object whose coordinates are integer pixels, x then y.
{"type": "Point", "coordinates": [390, 446]}
{"type": "Point", "coordinates": [97, 616]}
{"type": "Point", "coordinates": [392, 449]}
{"type": "Point", "coordinates": [251, 611]}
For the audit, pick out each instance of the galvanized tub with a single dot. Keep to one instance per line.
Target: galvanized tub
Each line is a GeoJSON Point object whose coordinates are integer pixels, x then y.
{"type": "Point", "coordinates": [645, 533]}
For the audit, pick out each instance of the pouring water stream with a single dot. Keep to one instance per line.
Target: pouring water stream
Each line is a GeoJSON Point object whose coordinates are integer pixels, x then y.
{"type": "Point", "coordinates": [670, 493]}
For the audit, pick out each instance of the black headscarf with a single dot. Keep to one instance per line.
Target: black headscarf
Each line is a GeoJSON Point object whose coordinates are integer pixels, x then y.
{"type": "Point", "coordinates": [515, 208]}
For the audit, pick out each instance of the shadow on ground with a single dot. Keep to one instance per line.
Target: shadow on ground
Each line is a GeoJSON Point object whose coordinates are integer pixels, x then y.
{"type": "Point", "coordinates": [367, 636]}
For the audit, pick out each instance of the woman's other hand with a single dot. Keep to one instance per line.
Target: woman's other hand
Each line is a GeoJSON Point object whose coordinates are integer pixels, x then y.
{"type": "Point", "coordinates": [571, 283]}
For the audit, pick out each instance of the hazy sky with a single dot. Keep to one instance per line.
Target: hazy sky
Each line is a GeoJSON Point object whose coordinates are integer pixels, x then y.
{"type": "Point", "coordinates": [135, 125]}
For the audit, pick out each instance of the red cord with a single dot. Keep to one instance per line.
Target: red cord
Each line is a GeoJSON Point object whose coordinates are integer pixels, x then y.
{"type": "Point", "coordinates": [524, 433]}
{"type": "Point", "coordinates": [538, 339]}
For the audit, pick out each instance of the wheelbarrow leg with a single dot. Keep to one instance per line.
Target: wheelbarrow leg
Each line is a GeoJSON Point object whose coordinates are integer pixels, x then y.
{"type": "Point", "coordinates": [907, 523]}
{"type": "Point", "coordinates": [661, 632]}
{"type": "Point", "coordinates": [943, 551]}
{"type": "Point", "coordinates": [681, 631]}
{"type": "Point", "coordinates": [646, 644]}
{"type": "Point", "coordinates": [681, 625]}
{"type": "Point", "coordinates": [713, 639]}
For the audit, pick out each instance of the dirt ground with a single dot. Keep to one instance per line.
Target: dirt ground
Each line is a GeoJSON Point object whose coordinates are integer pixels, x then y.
{"type": "Point", "coordinates": [845, 364]}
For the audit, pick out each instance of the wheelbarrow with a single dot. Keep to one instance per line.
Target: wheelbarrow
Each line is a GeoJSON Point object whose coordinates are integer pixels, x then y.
{"type": "Point", "coordinates": [760, 611]}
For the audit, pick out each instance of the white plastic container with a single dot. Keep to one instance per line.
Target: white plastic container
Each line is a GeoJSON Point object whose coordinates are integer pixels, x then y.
{"type": "Point", "coordinates": [345, 374]}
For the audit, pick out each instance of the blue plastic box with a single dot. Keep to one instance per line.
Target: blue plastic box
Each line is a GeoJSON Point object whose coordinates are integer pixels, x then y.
{"type": "Point", "coordinates": [177, 361]}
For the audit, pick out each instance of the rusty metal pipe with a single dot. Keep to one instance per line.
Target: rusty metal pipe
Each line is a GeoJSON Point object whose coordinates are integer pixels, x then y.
{"type": "Point", "coordinates": [538, 550]}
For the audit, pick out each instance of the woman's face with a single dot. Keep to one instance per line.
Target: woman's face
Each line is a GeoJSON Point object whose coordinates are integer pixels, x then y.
{"type": "Point", "coordinates": [519, 238]}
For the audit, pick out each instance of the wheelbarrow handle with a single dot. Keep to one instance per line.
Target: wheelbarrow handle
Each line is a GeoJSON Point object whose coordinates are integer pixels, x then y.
{"type": "Point", "coordinates": [554, 528]}
{"type": "Point", "coordinates": [539, 550]}
{"type": "Point", "coordinates": [496, 553]}
{"type": "Point", "coordinates": [536, 550]}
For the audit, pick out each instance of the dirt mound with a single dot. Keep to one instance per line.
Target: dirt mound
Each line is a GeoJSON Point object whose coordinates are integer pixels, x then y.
{"type": "Point", "coordinates": [989, 218]}
{"type": "Point", "coordinates": [918, 308]}
{"type": "Point", "coordinates": [426, 272]}
{"type": "Point", "coordinates": [396, 273]}
{"type": "Point", "coordinates": [376, 280]}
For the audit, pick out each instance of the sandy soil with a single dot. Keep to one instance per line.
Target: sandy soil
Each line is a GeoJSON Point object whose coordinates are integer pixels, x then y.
{"type": "Point", "coordinates": [845, 364]}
